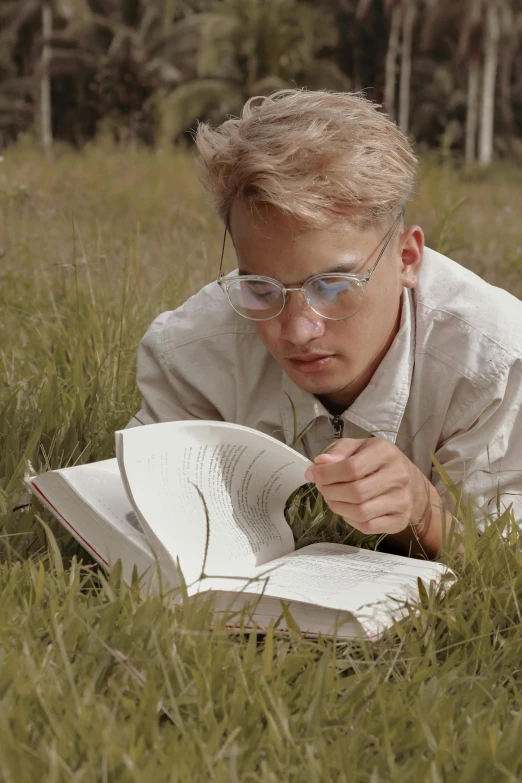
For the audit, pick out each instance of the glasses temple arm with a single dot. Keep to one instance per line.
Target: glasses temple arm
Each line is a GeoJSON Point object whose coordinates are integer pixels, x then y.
{"type": "Point", "coordinates": [220, 275]}
{"type": "Point", "coordinates": [388, 240]}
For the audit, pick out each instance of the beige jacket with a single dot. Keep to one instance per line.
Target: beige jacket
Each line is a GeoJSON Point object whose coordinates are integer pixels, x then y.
{"type": "Point", "coordinates": [450, 384]}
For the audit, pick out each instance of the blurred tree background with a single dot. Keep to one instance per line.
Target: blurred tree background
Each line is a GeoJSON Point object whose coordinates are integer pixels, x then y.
{"type": "Point", "coordinates": [450, 73]}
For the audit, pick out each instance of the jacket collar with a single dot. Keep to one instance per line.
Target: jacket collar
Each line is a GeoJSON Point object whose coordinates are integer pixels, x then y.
{"type": "Point", "coordinates": [380, 407]}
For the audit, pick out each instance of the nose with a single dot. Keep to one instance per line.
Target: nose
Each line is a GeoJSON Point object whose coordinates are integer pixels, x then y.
{"type": "Point", "coordinates": [299, 323]}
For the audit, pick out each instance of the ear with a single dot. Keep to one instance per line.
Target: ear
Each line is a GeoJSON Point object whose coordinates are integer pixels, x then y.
{"type": "Point", "coordinates": [411, 247]}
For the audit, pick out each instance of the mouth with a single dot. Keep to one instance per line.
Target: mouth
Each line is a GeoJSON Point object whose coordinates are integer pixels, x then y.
{"type": "Point", "coordinates": [312, 362]}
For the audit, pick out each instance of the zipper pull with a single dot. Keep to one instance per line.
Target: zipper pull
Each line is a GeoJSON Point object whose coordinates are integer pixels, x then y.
{"type": "Point", "coordinates": [337, 423]}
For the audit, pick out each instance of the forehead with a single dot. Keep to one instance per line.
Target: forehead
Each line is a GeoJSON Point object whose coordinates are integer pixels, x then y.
{"type": "Point", "coordinates": [268, 242]}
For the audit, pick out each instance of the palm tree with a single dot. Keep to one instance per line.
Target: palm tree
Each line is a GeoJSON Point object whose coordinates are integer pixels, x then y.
{"type": "Point", "coordinates": [246, 48]}
{"type": "Point", "coordinates": [393, 11]}
{"type": "Point", "coordinates": [45, 82]}
{"type": "Point", "coordinates": [470, 49]}
{"type": "Point", "coordinates": [402, 15]}
{"type": "Point", "coordinates": [118, 54]}
{"type": "Point", "coordinates": [136, 66]}
{"type": "Point", "coordinates": [27, 31]}
{"type": "Point", "coordinates": [16, 109]}
{"type": "Point", "coordinates": [492, 37]}
{"type": "Point", "coordinates": [485, 24]}
{"type": "Point", "coordinates": [511, 29]}
{"type": "Point", "coordinates": [409, 14]}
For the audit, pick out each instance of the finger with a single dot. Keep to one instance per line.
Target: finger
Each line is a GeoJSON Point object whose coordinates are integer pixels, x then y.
{"type": "Point", "coordinates": [337, 451]}
{"type": "Point", "coordinates": [344, 446]}
{"type": "Point", "coordinates": [379, 483]}
{"type": "Point", "coordinates": [360, 513]}
{"type": "Point", "coordinates": [364, 462]}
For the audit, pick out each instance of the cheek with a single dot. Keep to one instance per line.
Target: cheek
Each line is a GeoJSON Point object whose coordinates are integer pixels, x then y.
{"type": "Point", "coordinates": [374, 320]}
{"type": "Point", "coordinates": [269, 332]}
{"type": "Point", "coordinates": [348, 336]}
{"type": "Point", "coordinates": [383, 297]}
{"type": "Point", "coordinates": [380, 311]}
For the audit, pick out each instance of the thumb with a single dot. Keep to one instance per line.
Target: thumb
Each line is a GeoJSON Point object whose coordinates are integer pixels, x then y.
{"type": "Point", "coordinates": [339, 450]}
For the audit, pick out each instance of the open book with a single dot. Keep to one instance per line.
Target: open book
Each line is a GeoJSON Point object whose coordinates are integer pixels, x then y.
{"type": "Point", "coordinates": [208, 498]}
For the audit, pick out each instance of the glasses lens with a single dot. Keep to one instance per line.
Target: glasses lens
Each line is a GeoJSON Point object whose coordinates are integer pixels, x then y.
{"type": "Point", "coordinates": [335, 297]}
{"type": "Point", "coordinates": [256, 299]}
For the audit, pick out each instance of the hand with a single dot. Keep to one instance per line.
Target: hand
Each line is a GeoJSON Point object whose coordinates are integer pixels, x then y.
{"type": "Point", "coordinates": [371, 485]}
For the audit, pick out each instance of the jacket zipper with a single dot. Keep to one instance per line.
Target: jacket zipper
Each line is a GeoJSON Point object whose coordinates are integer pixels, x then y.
{"type": "Point", "coordinates": [337, 423]}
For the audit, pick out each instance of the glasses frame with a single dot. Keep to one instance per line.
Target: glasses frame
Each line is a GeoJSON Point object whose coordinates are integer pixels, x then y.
{"type": "Point", "coordinates": [362, 280]}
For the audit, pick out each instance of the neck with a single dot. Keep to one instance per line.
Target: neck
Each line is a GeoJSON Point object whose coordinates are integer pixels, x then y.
{"type": "Point", "coordinates": [341, 400]}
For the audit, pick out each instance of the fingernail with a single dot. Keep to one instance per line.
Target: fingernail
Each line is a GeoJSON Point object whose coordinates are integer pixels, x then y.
{"type": "Point", "coordinates": [309, 476]}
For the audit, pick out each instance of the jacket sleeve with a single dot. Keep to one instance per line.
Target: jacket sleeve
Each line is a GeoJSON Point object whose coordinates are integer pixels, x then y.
{"type": "Point", "coordinates": [167, 393]}
{"type": "Point", "coordinates": [484, 456]}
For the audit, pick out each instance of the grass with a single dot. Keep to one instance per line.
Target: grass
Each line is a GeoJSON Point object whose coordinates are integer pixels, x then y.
{"type": "Point", "coordinates": [96, 686]}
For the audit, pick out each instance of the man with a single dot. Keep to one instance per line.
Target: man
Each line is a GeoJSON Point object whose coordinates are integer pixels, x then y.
{"type": "Point", "coordinates": [387, 352]}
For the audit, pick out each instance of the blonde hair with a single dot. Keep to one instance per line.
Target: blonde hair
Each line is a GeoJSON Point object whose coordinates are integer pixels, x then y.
{"type": "Point", "coordinates": [314, 155]}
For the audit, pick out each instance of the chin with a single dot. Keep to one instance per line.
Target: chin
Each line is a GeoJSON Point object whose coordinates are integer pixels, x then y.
{"type": "Point", "coordinates": [319, 386]}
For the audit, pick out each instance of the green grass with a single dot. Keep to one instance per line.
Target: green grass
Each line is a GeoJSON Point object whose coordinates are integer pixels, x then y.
{"type": "Point", "coordinates": [96, 686]}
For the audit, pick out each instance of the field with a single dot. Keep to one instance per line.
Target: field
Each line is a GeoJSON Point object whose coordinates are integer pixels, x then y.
{"type": "Point", "coordinates": [96, 686]}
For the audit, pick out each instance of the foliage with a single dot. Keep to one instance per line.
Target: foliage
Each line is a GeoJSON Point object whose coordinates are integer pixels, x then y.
{"type": "Point", "coordinates": [98, 686]}
{"type": "Point", "coordinates": [248, 48]}
{"type": "Point", "coordinates": [148, 69]}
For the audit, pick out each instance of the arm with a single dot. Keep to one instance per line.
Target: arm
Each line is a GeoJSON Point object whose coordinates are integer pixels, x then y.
{"type": "Point", "coordinates": [377, 489]}
{"type": "Point", "coordinates": [424, 535]}
{"type": "Point", "coordinates": [169, 393]}
{"type": "Point", "coordinates": [483, 457]}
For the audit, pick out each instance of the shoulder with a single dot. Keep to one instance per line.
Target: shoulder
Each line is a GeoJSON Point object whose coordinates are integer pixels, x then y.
{"type": "Point", "coordinates": [204, 343]}
{"type": "Point", "coordinates": [204, 357]}
{"type": "Point", "coordinates": [200, 322]}
{"type": "Point", "coordinates": [465, 321]}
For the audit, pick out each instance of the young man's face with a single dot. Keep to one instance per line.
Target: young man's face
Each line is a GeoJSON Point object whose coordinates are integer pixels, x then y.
{"type": "Point", "coordinates": [333, 360]}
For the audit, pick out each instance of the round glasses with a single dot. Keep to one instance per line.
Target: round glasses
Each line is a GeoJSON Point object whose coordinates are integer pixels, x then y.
{"type": "Point", "coordinates": [332, 295]}
{"type": "Point", "coordinates": [329, 294]}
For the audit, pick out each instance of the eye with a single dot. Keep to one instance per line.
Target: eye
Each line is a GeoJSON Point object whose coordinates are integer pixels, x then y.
{"type": "Point", "coordinates": [331, 287]}
{"type": "Point", "coordinates": [261, 290]}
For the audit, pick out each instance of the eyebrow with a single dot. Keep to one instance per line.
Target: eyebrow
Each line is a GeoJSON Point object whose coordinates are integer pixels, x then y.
{"type": "Point", "coordinates": [346, 267]}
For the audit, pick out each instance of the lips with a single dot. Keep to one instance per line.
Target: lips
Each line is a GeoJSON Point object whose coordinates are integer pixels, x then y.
{"type": "Point", "coordinates": [309, 357]}
{"type": "Point", "coordinates": [309, 363]}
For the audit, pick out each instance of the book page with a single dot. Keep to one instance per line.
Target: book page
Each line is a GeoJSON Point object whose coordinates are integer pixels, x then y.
{"type": "Point", "coordinates": [370, 585]}
{"type": "Point", "coordinates": [91, 502]}
{"type": "Point", "coordinates": [101, 486]}
{"type": "Point", "coordinates": [243, 476]}
{"type": "Point", "coordinates": [264, 610]}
